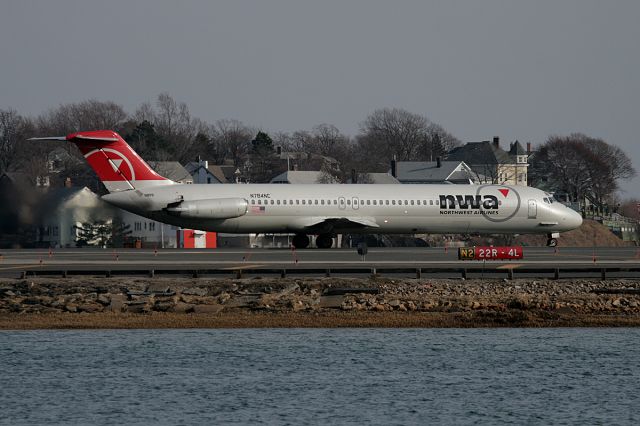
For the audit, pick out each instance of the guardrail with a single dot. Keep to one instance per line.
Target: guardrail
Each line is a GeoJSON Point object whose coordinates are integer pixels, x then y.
{"type": "Point", "coordinates": [418, 273]}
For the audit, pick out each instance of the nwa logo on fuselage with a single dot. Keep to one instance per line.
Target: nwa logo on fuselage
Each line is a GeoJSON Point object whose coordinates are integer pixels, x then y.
{"type": "Point", "coordinates": [469, 202]}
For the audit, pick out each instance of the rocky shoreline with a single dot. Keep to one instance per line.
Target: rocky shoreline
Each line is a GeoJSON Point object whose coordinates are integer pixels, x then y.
{"type": "Point", "coordinates": [84, 302]}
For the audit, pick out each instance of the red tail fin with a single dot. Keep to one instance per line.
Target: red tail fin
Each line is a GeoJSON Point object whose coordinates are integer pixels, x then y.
{"type": "Point", "coordinates": [117, 165]}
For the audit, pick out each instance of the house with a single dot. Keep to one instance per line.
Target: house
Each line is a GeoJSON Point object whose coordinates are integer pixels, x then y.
{"type": "Point", "coordinates": [492, 164]}
{"type": "Point", "coordinates": [62, 210]}
{"type": "Point", "coordinates": [202, 172]}
{"type": "Point", "coordinates": [303, 177]}
{"type": "Point", "coordinates": [300, 160]}
{"type": "Point", "coordinates": [172, 170]}
{"type": "Point", "coordinates": [431, 172]}
{"type": "Point", "coordinates": [375, 178]}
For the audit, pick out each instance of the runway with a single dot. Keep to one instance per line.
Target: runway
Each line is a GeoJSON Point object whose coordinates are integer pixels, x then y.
{"type": "Point", "coordinates": [217, 261]}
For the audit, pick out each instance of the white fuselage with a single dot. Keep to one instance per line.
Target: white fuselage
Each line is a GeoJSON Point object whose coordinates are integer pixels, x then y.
{"type": "Point", "coordinates": [280, 208]}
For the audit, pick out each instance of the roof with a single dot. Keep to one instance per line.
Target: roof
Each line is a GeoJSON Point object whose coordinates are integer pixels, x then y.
{"type": "Point", "coordinates": [214, 170]}
{"type": "Point", "coordinates": [217, 171]}
{"type": "Point", "coordinates": [229, 172]}
{"type": "Point", "coordinates": [302, 155]}
{"type": "Point", "coordinates": [300, 177]}
{"type": "Point", "coordinates": [54, 198]}
{"type": "Point", "coordinates": [171, 170]}
{"type": "Point", "coordinates": [517, 149]}
{"type": "Point", "coordinates": [381, 178]}
{"type": "Point", "coordinates": [429, 172]}
{"type": "Point", "coordinates": [480, 153]}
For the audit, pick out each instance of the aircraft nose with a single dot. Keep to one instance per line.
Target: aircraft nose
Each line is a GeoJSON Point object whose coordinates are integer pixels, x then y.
{"type": "Point", "coordinates": [573, 219]}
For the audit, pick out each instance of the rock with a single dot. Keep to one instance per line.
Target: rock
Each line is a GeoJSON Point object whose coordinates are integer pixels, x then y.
{"type": "Point", "coordinates": [69, 307]}
{"type": "Point", "coordinates": [207, 309]}
{"type": "Point", "coordinates": [224, 297]}
{"type": "Point", "coordinates": [136, 307]}
{"type": "Point", "coordinates": [116, 303]}
{"type": "Point", "coordinates": [90, 308]}
{"type": "Point", "coordinates": [163, 305]}
{"type": "Point", "coordinates": [395, 303]}
{"type": "Point", "coordinates": [195, 291]}
{"type": "Point", "coordinates": [379, 307]}
{"type": "Point", "coordinates": [331, 301]}
{"type": "Point", "coordinates": [182, 308]}
{"type": "Point", "coordinates": [103, 299]}
{"type": "Point", "coordinates": [616, 302]}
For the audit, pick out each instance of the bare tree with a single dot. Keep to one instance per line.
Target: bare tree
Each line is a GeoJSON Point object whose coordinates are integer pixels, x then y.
{"type": "Point", "coordinates": [12, 130]}
{"type": "Point", "coordinates": [234, 139]}
{"type": "Point", "coordinates": [393, 132]}
{"type": "Point", "coordinates": [581, 166]}
{"type": "Point", "coordinates": [175, 131]}
{"type": "Point", "coordinates": [87, 115]}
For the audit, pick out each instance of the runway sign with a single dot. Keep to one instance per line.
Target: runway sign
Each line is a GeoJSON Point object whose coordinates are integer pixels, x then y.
{"type": "Point", "coordinates": [490, 253]}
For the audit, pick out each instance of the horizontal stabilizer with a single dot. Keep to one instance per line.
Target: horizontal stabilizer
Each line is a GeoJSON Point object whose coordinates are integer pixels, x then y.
{"type": "Point", "coordinates": [50, 138]}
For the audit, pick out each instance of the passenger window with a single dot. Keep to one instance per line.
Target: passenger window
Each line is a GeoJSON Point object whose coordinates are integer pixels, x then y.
{"type": "Point", "coordinates": [322, 202]}
{"type": "Point", "coordinates": [393, 202]}
{"type": "Point", "coordinates": [253, 201]}
{"type": "Point", "coordinates": [386, 202]}
{"type": "Point", "coordinates": [297, 201]}
{"type": "Point", "coordinates": [406, 203]}
{"type": "Point", "coordinates": [430, 202]}
{"type": "Point", "coordinates": [368, 202]}
{"type": "Point", "coordinates": [348, 202]}
{"type": "Point", "coordinates": [310, 202]}
{"type": "Point", "coordinates": [375, 202]}
{"type": "Point", "coordinates": [437, 202]}
{"type": "Point", "coordinates": [272, 202]}
{"type": "Point", "coordinates": [259, 201]}
{"type": "Point", "coordinates": [278, 202]}
{"type": "Point", "coordinates": [315, 202]}
{"type": "Point", "coordinates": [412, 202]}
{"type": "Point", "coordinates": [304, 201]}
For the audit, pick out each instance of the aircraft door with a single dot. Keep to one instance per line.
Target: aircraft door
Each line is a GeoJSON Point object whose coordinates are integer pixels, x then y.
{"type": "Point", "coordinates": [533, 209]}
{"type": "Point", "coordinates": [341, 203]}
{"type": "Point", "coordinates": [356, 203]}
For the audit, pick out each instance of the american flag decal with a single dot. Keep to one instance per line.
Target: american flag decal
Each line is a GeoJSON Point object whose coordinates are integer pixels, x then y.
{"type": "Point", "coordinates": [257, 209]}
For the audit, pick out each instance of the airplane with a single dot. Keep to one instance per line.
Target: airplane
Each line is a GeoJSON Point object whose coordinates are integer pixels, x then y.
{"type": "Point", "coordinates": [324, 210]}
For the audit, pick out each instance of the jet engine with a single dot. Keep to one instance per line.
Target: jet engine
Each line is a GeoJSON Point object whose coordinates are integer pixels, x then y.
{"type": "Point", "coordinates": [217, 208]}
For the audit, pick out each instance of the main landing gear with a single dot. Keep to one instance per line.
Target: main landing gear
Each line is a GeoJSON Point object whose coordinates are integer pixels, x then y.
{"type": "Point", "coordinates": [323, 241]}
{"type": "Point", "coordinates": [552, 239]}
{"type": "Point", "coordinates": [300, 241]}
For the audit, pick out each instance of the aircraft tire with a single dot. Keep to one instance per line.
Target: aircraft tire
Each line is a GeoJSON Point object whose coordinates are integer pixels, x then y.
{"type": "Point", "coordinates": [300, 241]}
{"type": "Point", "coordinates": [324, 241]}
{"type": "Point", "coordinates": [552, 242]}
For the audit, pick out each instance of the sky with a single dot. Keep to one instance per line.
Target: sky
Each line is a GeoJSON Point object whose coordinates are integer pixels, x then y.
{"type": "Point", "coordinates": [515, 69]}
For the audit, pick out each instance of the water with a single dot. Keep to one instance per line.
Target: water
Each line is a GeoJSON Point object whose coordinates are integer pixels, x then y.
{"type": "Point", "coordinates": [321, 376]}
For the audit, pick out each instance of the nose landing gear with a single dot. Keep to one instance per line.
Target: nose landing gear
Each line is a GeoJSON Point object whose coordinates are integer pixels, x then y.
{"type": "Point", "coordinates": [552, 239]}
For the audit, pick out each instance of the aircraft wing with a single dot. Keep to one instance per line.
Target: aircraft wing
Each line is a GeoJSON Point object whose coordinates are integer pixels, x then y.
{"type": "Point", "coordinates": [326, 224]}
